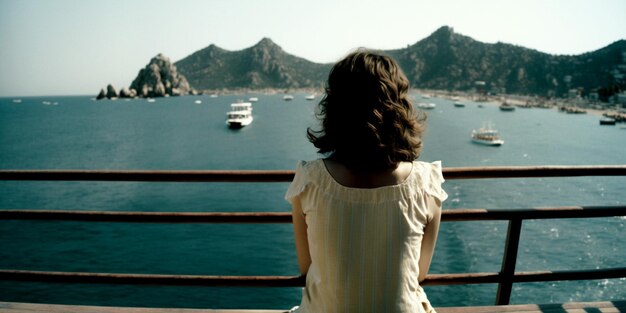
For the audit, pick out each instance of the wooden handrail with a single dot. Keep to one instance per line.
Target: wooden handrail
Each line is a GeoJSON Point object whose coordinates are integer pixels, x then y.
{"type": "Point", "coordinates": [290, 281]}
{"type": "Point", "coordinates": [287, 175]}
{"type": "Point", "coordinates": [455, 215]}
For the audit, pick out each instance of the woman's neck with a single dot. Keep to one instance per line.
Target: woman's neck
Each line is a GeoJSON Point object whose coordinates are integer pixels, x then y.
{"type": "Point", "coordinates": [349, 177]}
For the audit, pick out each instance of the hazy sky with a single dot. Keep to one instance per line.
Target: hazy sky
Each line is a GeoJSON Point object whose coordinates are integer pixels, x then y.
{"type": "Point", "coordinates": [76, 47]}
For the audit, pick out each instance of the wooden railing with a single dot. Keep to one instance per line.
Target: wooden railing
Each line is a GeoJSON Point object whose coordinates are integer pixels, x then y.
{"type": "Point", "coordinates": [505, 278]}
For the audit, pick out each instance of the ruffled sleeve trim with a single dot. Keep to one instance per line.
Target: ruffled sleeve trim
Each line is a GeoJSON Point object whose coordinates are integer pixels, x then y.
{"type": "Point", "coordinates": [433, 178]}
{"type": "Point", "coordinates": [299, 182]}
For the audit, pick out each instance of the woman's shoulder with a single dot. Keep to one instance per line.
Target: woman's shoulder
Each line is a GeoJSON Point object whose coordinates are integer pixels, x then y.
{"type": "Point", "coordinates": [430, 176]}
{"type": "Point", "coordinates": [309, 171]}
{"type": "Point", "coordinates": [427, 167]}
{"type": "Point", "coordinates": [305, 166]}
{"type": "Point", "coordinates": [304, 174]}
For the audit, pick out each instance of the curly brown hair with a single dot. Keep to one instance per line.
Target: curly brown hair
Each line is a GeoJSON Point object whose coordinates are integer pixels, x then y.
{"type": "Point", "coordinates": [367, 120]}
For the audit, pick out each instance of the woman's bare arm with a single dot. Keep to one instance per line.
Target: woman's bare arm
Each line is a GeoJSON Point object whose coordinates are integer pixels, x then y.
{"type": "Point", "coordinates": [430, 237]}
{"type": "Point", "coordinates": [301, 239]}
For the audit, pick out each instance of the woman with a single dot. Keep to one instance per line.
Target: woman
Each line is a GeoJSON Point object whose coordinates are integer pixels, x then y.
{"type": "Point", "coordinates": [366, 217]}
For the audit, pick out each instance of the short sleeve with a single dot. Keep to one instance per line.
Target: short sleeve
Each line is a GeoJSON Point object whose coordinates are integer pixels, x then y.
{"type": "Point", "coordinates": [435, 180]}
{"type": "Point", "coordinates": [298, 184]}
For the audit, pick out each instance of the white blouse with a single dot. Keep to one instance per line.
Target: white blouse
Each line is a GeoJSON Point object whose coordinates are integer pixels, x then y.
{"type": "Point", "coordinates": [364, 243]}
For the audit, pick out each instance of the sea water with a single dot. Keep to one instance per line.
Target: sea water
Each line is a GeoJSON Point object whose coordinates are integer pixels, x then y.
{"type": "Point", "coordinates": [179, 133]}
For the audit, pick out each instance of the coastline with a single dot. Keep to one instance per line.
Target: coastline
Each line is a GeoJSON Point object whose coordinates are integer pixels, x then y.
{"type": "Point", "coordinates": [576, 106]}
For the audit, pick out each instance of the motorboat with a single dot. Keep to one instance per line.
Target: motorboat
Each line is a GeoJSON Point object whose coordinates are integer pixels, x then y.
{"type": "Point", "coordinates": [253, 99]}
{"type": "Point", "coordinates": [287, 97]}
{"type": "Point", "coordinates": [487, 135]}
{"type": "Point", "coordinates": [459, 104]}
{"type": "Point", "coordinates": [426, 106]}
{"type": "Point", "coordinates": [607, 121]}
{"type": "Point", "coordinates": [240, 115]}
{"type": "Point", "coordinates": [310, 97]}
{"type": "Point", "coordinates": [507, 107]}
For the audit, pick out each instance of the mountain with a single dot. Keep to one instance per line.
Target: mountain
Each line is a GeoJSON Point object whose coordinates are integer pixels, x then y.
{"type": "Point", "coordinates": [444, 60]}
{"type": "Point", "coordinates": [264, 65]}
{"type": "Point", "coordinates": [447, 60]}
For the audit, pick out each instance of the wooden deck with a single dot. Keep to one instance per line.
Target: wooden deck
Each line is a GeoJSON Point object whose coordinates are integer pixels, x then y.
{"type": "Point", "coordinates": [574, 307]}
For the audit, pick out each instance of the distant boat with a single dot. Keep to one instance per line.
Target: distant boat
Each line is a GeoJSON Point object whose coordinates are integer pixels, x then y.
{"type": "Point", "coordinates": [507, 107]}
{"type": "Point", "coordinates": [213, 95]}
{"type": "Point", "coordinates": [426, 106]}
{"type": "Point", "coordinates": [287, 97]}
{"type": "Point", "coordinates": [459, 104]}
{"type": "Point", "coordinates": [198, 101]}
{"type": "Point", "coordinates": [240, 115]}
{"type": "Point", "coordinates": [17, 100]}
{"type": "Point", "coordinates": [310, 97]}
{"type": "Point", "coordinates": [487, 135]}
{"type": "Point", "coordinates": [253, 99]}
{"type": "Point", "coordinates": [607, 121]}
{"type": "Point", "coordinates": [151, 100]}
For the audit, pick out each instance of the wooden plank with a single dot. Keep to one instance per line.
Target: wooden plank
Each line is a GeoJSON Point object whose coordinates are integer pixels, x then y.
{"type": "Point", "coordinates": [15, 307]}
{"type": "Point", "coordinates": [574, 307]}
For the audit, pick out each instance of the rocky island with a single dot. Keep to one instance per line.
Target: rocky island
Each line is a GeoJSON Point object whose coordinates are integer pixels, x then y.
{"type": "Point", "coordinates": [159, 78]}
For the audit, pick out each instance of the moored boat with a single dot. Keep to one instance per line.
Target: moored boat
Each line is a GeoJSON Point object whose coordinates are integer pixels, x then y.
{"type": "Point", "coordinates": [507, 107]}
{"type": "Point", "coordinates": [487, 135]}
{"type": "Point", "coordinates": [426, 106]}
{"type": "Point", "coordinates": [607, 121]}
{"type": "Point", "coordinates": [240, 115]}
{"type": "Point", "coordinates": [459, 104]}
{"type": "Point", "coordinates": [287, 97]}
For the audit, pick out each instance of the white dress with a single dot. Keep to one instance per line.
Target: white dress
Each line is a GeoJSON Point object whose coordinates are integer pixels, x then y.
{"type": "Point", "coordinates": [364, 243]}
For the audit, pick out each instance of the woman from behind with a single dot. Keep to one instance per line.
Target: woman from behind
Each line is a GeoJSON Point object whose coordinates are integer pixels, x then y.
{"type": "Point", "coordinates": [366, 216]}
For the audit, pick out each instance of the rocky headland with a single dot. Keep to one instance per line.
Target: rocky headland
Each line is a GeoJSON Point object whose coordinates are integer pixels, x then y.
{"type": "Point", "coordinates": [159, 78]}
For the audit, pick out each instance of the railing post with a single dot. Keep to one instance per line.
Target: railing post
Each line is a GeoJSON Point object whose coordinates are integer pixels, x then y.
{"type": "Point", "coordinates": [509, 259]}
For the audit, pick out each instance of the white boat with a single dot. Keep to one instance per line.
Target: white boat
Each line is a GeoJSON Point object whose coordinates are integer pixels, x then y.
{"type": "Point", "coordinates": [426, 106]}
{"type": "Point", "coordinates": [240, 115]}
{"type": "Point", "coordinates": [253, 99]}
{"type": "Point", "coordinates": [17, 100]}
{"type": "Point", "coordinates": [198, 102]}
{"type": "Point", "coordinates": [487, 135]}
{"type": "Point", "coordinates": [459, 104]}
{"type": "Point", "coordinates": [607, 121]}
{"type": "Point", "coordinates": [287, 97]}
{"type": "Point", "coordinates": [507, 107]}
{"type": "Point", "coordinates": [310, 97]}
